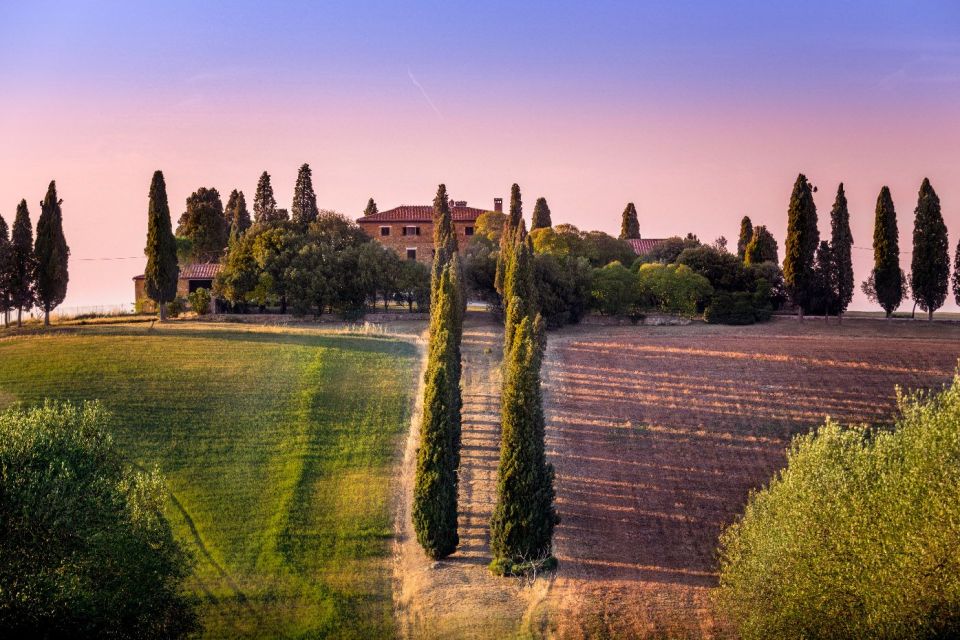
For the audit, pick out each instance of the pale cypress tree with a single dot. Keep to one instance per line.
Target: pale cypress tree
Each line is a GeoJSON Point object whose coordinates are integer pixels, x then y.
{"type": "Point", "coordinates": [887, 274]}
{"type": "Point", "coordinates": [22, 265]}
{"type": "Point", "coordinates": [434, 510]}
{"type": "Point", "coordinates": [236, 214]}
{"type": "Point", "coordinates": [521, 529]}
{"type": "Point", "coordinates": [841, 246]}
{"type": "Point", "coordinates": [5, 251]}
{"type": "Point", "coordinates": [162, 269]}
{"type": "Point", "coordinates": [930, 268]}
{"type": "Point", "coordinates": [746, 234]}
{"type": "Point", "coordinates": [803, 237]}
{"type": "Point", "coordinates": [371, 208]}
{"type": "Point", "coordinates": [264, 204]}
{"type": "Point", "coordinates": [52, 254]}
{"type": "Point", "coordinates": [304, 209]}
{"type": "Point", "coordinates": [762, 247]}
{"type": "Point", "coordinates": [629, 224]}
{"type": "Point", "coordinates": [541, 215]}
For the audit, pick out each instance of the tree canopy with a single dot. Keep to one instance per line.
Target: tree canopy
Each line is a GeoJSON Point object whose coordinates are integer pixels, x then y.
{"type": "Point", "coordinates": [51, 255]}
{"type": "Point", "coordinates": [204, 225]}
{"type": "Point", "coordinates": [629, 223]}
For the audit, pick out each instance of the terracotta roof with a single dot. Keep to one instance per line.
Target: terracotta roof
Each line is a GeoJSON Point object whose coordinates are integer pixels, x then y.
{"type": "Point", "coordinates": [421, 213]}
{"type": "Point", "coordinates": [199, 271]}
{"type": "Point", "coordinates": [644, 245]}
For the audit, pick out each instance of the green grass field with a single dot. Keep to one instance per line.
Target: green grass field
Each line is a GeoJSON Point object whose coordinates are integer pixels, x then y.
{"type": "Point", "coordinates": [278, 449]}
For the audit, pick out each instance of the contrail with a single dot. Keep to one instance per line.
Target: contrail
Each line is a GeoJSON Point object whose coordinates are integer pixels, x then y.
{"type": "Point", "coordinates": [424, 92]}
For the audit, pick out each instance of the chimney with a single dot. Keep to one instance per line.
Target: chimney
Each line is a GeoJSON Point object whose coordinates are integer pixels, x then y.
{"type": "Point", "coordinates": [498, 205]}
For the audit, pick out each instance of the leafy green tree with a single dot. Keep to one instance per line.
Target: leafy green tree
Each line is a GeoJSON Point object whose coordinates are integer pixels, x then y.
{"type": "Point", "coordinates": [841, 244]}
{"type": "Point", "coordinates": [630, 224]}
{"type": "Point", "coordinates": [614, 289]}
{"type": "Point", "coordinates": [746, 234]}
{"type": "Point", "coordinates": [304, 209]}
{"type": "Point", "coordinates": [414, 284]}
{"type": "Point", "coordinates": [162, 269]}
{"type": "Point", "coordinates": [264, 204]}
{"type": "Point", "coordinates": [435, 482]}
{"type": "Point", "coordinates": [85, 549]}
{"type": "Point", "coordinates": [562, 284]}
{"type": "Point", "coordinates": [524, 517]}
{"type": "Point", "coordinates": [601, 249]}
{"type": "Point", "coordinates": [51, 254]}
{"type": "Point", "coordinates": [240, 272]}
{"type": "Point", "coordinates": [668, 251]}
{"type": "Point", "coordinates": [236, 214]}
{"type": "Point", "coordinates": [857, 536]}
{"type": "Point", "coordinates": [200, 301]}
{"type": "Point", "coordinates": [672, 288]}
{"type": "Point", "coordinates": [541, 215]}
{"type": "Point", "coordinates": [371, 208]}
{"type": "Point", "coordinates": [930, 270]}
{"type": "Point", "coordinates": [273, 249]}
{"type": "Point", "coordinates": [22, 263]}
{"type": "Point", "coordinates": [887, 276]}
{"type": "Point", "coordinates": [762, 247]}
{"type": "Point", "coordinates": [724, 270]}
{"type": "Point", "coordinates": [803, 237]}
{"type": "Point", "coordinates": [204, 225]}
{"type": "Point", "coordinates": [490, 224]}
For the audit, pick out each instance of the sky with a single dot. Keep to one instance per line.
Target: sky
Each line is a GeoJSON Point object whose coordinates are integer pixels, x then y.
{"type": "Point", "coordinates": [699, 113]}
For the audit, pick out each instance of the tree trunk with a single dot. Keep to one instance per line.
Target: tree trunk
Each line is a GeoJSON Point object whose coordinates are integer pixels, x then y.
{"type": "Point", "coordinates": [163, 311]}
{"type": "Point", "coordinates": [840, 317]}
{"type": "Point", "coordinates": [19, 317]}
{"type": "Point", "coordinates": [799, 313]}
{"type": "Point", "coordinates": [283, 304]}
{"type": "Point", "coordinates": [913, 314]}
{"type": "Point", "coordinates": [930, 315]}
{"type": "Point", "coordinates": [46, 316]}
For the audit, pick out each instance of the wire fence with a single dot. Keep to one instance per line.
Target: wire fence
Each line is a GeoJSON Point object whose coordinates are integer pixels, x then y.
{"type": "Point", "coordinates": [70, 313]}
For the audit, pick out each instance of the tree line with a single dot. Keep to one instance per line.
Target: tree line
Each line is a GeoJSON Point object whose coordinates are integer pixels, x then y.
{"type": "Point", "coordinates": [34, 273]}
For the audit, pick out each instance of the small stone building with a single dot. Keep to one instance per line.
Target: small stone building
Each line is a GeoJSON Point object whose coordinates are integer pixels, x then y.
{"type": "Point", "coordinates": [192, 277]}
{"type": "Point", "coordinates": [408, 229]}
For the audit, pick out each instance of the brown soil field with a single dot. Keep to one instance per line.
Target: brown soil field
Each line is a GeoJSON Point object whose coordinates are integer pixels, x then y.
{"type": "Point", "coordinates": [657, 435]}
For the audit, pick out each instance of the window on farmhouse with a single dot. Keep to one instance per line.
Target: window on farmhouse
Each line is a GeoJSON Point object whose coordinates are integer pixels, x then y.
{"type": "Point", "coordinates": [411, 254]}
{"type": "Point", "coordinates": [411, 231]}
{"type": "Point", "coordinates": [384, 231]}
{"type": "Point", "coordinates": [468, 231]}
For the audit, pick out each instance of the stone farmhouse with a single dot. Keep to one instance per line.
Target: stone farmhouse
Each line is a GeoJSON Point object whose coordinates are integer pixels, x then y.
{"type": "Point", "coordinates": [192, 277]}
{"type": "Point", "coordinates": [408, 229]}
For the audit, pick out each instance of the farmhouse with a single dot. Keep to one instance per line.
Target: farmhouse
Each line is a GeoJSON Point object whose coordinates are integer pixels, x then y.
{"type": "Point", "coordinates": [192, 277]}
{"type": "Point", "coordinates": [643, 245]}
{"type": "Point", "coordinates": [408, 229]}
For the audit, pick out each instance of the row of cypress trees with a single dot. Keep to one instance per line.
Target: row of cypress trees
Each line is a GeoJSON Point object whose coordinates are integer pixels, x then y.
{"type": "Point", "coordinates": [438, 457]}
{"type": "Point", "coordinates": [521, 529]}
{"type": "Point", "coordinates": [809, 261]}
{"type": "Point", "coordinates": [34, 272]}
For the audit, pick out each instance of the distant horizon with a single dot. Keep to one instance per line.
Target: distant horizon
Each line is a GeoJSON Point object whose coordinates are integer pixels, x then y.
{"type": "Point", "coordinates": [699, 114]}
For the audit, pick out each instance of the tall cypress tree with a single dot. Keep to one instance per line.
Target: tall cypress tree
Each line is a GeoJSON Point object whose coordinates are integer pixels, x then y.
{"type": "Point", "coordinates": [803, 237]}
{"type": "Point", "coordinates": [371, 208]}
{"type": "Point", "coordinates": [5, 251]}
{"type": "Point", "coordinates": [887, 274]}
{"type": "Point", "coordinates": [521, 529]}
{"type": "Point", "coordinates": [162, 269]}
{"type": "Point", "coordinates": [204, 223]}
{"type": "Point", "coordinates": [519, 291]}
{"type": "Point", "coordinates": [746, 234]}
{"type": "Point", "coordinates": [541, 215]}
{"type": "Point", "coordinates": [930, 269]}
{"type": "Point", "coordinates": [22, 267]}
{"type": "Point", "coordinates": [629, 224]}
{"type": "Point", "coordinates": [762, 247]}
{"type": "Point", "coordinates": [826, 275]}
{"type": "Point", "coordinates": [304, 209]}
{"type": "Point", "coordinates": [236, 214]}
{"type": "Point", "coordinates": [841, 248]}
{"type": "Point", "coordinates": [512, 227]}
{"type": "Point", "coordinates": [956, 274]}
{"type": "Point", "coordinates": [264, 204]}
{"type": "Point", "coordinates": [52, 254]}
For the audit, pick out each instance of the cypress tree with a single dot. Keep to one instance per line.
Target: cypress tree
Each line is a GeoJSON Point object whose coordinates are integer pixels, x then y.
{"type": "Point", "coordinates": [761, 248]}
{"type": "Point", "coordinates": [841, 246]}
{"type": "Point", "coordinates": [205, 224]}
{"type": "Point", "coordinates": [52, 254]}
{"type": "Point", "coordinates": [304, 208]}
{"type": "Point", "coordinates": [887, 274]}
{"type": "Point", "coordinates": [746, 234]}
{"type": "Point", "coordinates": [824, 268]}
{"type": "Point", "coordinates": [371, 208]}
{"type": "Point", "coordinates": [162, 269]}
{"type": "Point", "coordinates": [22, 263]}
{"type": "Point", "coordinates": [803, 237]}
{"type": "Point", "coordinates": [512, 227]}
{"type": "Point", "coordinates": [5, 251]}
{"type": "Point", "coordinates": [521, 529]}
{"type": "Point", "coordinates": [630, 224]}
{"type": "Point", "coordinates": [541, 215]}
{"type": "Point", "coordinates": [264, 204]}
{"type": "Point", "coordinates": [930, 269]}
{"type": "Point", "coordinates": [956, 274]}
{"type": "Point", "coordinates": [519, 291]}
{"type": "Point", "coordinates": [236, 214]}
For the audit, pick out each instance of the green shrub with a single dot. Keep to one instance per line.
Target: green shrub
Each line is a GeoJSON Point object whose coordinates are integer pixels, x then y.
{"type": "Point", "coordinates": [175, 307]}
{"type": "Point", "coordinates": [614, 289]}
{"type": "Point", "coordinates": [858, 537]}
{"type": "Point", "coordinates": [672, 288]}
{"type": "Point", "coordinates": [142, 305]}
{"type": "Point", "coordinates": [200, 301]}
{"type": "Point", "coordinates": [85, 549]}
{"type": "Point", "coordinates": [730, 308]}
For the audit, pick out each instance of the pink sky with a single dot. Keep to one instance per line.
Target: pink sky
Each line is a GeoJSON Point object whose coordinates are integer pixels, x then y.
{"type": "Point", "coordinates": [694, 148]}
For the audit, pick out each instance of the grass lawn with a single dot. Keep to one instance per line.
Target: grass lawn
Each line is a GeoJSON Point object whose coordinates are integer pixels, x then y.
{"type": "Point", "coordinates": [278, 448]}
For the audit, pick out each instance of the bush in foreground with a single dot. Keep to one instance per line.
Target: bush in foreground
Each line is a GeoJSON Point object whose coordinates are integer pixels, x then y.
{"type": "Point", "coordinates": [85, 550]}
{"type": "Point", "coordinates": [858, 537]}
